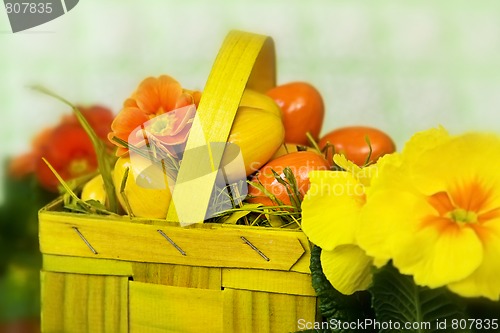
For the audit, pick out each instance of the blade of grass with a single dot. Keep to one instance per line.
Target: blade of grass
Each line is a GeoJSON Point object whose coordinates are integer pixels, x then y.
{"type": "Point", "coordinates": [367, 161]}
{"type": "Point", "coordinates": [103, 159]}
{"type": "Point", "coordinates": [313, 142]}
{"type": "Point", "coordinates": [122, 192]}
{"type": "Point", "coordinates": [72, 194]}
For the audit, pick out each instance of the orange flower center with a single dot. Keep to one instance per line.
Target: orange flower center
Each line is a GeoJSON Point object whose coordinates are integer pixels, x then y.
{"type": "Point", "coordinates": [163, 125]}
{"type": "Point", "coordinates": [462, 215]}
{"type": "Point", "coordinates": [468, 204]}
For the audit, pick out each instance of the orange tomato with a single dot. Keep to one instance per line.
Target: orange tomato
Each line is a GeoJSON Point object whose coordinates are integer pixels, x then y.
{"type": "Point", "coordinates": [303, 110]}
{"type": "Point", "coordinates": [299, 162]}
{"type": "Point", "coordinates": [352, 142]}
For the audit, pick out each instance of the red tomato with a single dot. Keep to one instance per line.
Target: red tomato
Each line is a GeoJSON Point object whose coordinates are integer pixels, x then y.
{"type": "Point", "coordinates": [299, 162]}
{"type": "Point", "coordinates": [303, 110]}
{"type": "Point", "coordinates": [352, 142]}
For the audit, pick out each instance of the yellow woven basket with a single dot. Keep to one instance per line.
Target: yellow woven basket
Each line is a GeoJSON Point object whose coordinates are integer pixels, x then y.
{"type": "Point", "coordinates": [114, 274]}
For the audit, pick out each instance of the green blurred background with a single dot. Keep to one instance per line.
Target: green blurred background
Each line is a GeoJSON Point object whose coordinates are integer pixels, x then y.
{"type": "Point", "coordinates": [401, 66]}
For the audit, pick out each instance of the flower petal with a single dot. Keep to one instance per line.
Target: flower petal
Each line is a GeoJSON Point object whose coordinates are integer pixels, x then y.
{"type": "Point", "coordinates": [169, 91]}
{"type": "Point", "coordinates": [330, 210]}
{"type": "Point", "coordinates": [388, 218]}
{"type": "Point", "coordinates": [423, 141]}
{"type": "Point", "coordinates": [130, 103]}
{"type": "Point", "coordinates": [347, 268]}
{"type": "Point", "coordinates": [184, 100]}
{"type": "Point", "coordinates": [128, 120]}
{"type": "Point", "coordinates": [457, 162]}
{"type": "Point", "coordinates": [346, 164]}
{"type": "Point", "coordinates": [196, 95]}
{"type": "Point", "coordinates": [484, 280]}
{"type": "Point", "coordinates": [436, 257]}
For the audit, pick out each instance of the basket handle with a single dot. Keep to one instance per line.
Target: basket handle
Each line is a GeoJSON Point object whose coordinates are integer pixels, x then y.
{"type": "Point", "coordinates": [244, 60]}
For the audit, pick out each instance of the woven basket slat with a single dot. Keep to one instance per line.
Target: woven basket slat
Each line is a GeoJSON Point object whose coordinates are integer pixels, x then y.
{"type": "Point", "coordinates": [159, 308]}
{"type": "Point", "coordinates": [178, 275]}
{"type": "Point", "coordinates": [257, 311]}
{"type": "Point", "coordinates": [82, 265]}
{"type": "Point", "coordinates": [76, 303]}
{"type": "Point", "coordinates": [271, 281]}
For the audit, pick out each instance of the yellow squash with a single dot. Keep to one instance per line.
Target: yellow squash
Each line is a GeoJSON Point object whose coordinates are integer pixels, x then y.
{"type": "Point", "coordinates": [94, 190]}
{"type": "Point", "coordinates": [257, 129]}
{"type": "Point", "coordinates": [146, 190]}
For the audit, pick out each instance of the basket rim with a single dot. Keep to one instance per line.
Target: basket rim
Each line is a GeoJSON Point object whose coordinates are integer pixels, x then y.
{"type": "Point", "coordinates": [156, 241]}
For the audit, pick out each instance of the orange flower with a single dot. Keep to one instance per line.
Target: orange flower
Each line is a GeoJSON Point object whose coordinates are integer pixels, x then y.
{"type": "Point", "coordinates": [71, 154]}
{"type": "Point", "coordinates": [155, 97]}
{"type": "Point", "coordinates": [99, 118]}
{"type": "Point", "coordinates": [66, 147]}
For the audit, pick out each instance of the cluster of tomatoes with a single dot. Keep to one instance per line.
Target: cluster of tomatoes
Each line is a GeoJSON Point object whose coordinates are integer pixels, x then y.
{"type": "Point", "coordinates": [305, 150]}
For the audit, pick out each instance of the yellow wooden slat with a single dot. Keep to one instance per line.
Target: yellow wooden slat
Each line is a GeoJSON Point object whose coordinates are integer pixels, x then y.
{"type": "Point", "coordinates": [95, 306]}
{"type": "Point", "coordinates": [77, 303]}
{"type": "Point", "coordinates": [242, 311]}
{"type": "Point", "coordinates": [306, 308]}
{"type": "Point", "coordinates": [228, 311]}
{"type": "Point", "coordinates": [52, 295]}
{"type": "Point", "coordinates": [81, 265]}
{"type": "Point", "coordinates": [178, 275]}
{"type": "Point", "coordinates": [271, 281]}
{"type": "Point", "coordinates": [116, 298]}
{"type": "Point", "coordinates": [158, 309]}
{"type": "Point", "coordinates": [262, 316]}
{"type": "Point", "coordinates": [254, 311]}
{"type": "Point", "coordinates": [77, 296]}
{"type": "Point", "coordinates": [219, 247]}
{"type": "Point", "coordinates": [236, 63]}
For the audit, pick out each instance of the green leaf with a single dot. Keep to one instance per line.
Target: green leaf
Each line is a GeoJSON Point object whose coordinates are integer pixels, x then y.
{"type": "Point", "coordinates": [397, 299]}
{"type": "Point", "coordinates": [335, 306]}
{"type": "Point", "coordinates": [103, 158]}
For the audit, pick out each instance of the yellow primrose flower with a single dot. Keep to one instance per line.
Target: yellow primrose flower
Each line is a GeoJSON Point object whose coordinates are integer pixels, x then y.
{"type": "Point", "coordinates": [437, 213]}
{"type": "Point", "coordinates": [330, 217]}
{"type": "Point", "coordinates": [330, 209]}
{"type": "Point", "coordinates": [362, 174]}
